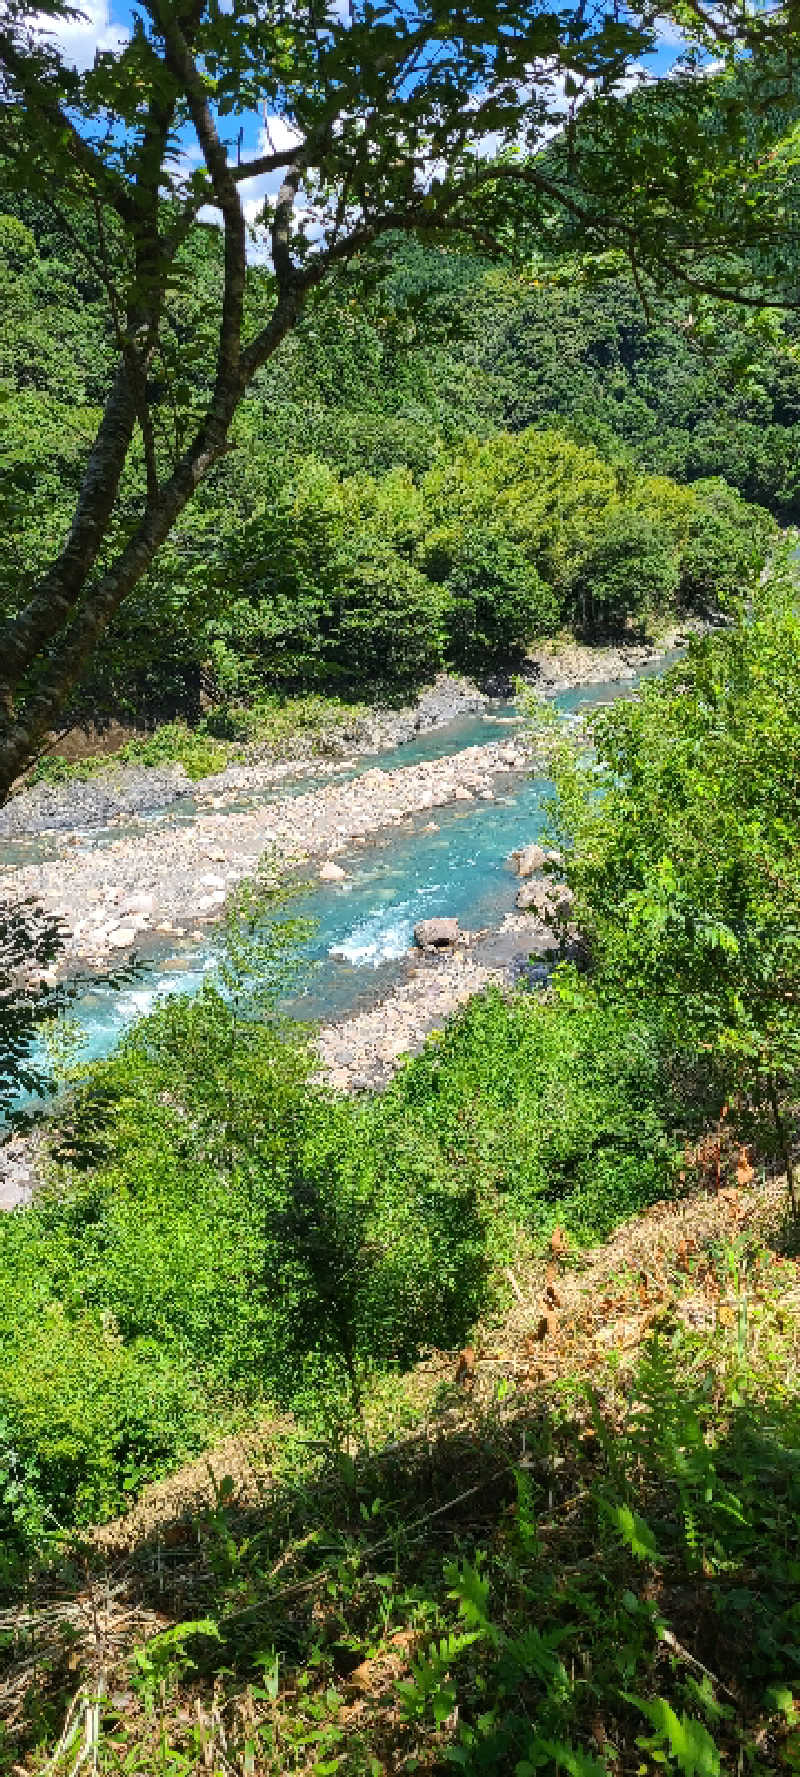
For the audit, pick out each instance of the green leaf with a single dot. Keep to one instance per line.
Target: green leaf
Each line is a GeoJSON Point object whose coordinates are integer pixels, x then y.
{"type": "Point", "coordinates": [689, 1742]}
{"type": "Point", "coordinates": [635, 1533]}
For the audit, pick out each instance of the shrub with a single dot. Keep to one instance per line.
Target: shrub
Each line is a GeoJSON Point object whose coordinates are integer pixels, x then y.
{"type": "Point", "coordinates": [176, 744]}
{"type": "Point", "coordinates": [383, 622]}
{"type": "Point", "coordinates": [554, 1108]}
{"type": "Point", "coordinates": [725, 548]}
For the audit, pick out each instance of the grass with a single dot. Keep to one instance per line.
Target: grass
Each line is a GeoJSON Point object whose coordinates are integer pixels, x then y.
{"type": "Point", "coordinates": [221, 738]}
{"type": "Point", "coordinates": [574, 1550]}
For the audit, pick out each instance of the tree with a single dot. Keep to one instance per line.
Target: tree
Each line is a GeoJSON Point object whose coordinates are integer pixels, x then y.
{"type": "Point", "coordinates": [685, 867]}
{"type": "Point", "coordinates": [383, 116]}
{"type": "Point", "coordinates": [628, 574]}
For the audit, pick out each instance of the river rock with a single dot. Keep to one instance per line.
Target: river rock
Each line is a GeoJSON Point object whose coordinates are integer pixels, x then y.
{"type": "Point", "coordinates": [436, 934]}
{"type": "Point", "coordinates": [528, 860]}
{"type": "Point", "coordinates": [330, 872]}
{"type": "Point", "coordinates": [552, 902]}
{"type": "Point", "coordinates": [139, 904]}
{"type": "Point", "coordinates": [531, 897]}
{"type": "Point", "coordinates": [210, 903]}
{"type": "Point", "coordinates": [532, 858]}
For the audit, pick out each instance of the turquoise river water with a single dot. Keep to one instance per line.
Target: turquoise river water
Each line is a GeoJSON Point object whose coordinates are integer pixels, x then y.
{"type": "Point", "coordinates": [364, 926]}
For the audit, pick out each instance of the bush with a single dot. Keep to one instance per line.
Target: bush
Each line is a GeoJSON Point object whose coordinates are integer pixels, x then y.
{"type": "Point", "coordinates": [227, 1234]}
{"type": "Point", "coordinates": [383, 622]}
{"type": "Point", "coordinates": [175, 744]}
{"type": "Point", "coordinates": [556, 1109]}
{"type": "Point", "coordinates": [725, 547]}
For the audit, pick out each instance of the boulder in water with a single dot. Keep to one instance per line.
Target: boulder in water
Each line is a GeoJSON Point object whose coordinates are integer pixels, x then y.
{"type": "Point", "coordinates": [531, 858]}
{"type": "Point", "coordinates": [436, 934]}
{"type": "Point", "coordinates": [330, 872]}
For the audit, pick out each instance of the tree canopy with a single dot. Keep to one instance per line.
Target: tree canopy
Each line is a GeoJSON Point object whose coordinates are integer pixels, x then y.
{"type": "Point", "coordinates": [392, 120]}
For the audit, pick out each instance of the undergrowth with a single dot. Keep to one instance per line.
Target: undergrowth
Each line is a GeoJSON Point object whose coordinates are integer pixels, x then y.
{"type": "Point", "coordinates": [222, 1233]}
{"type": "Point", "coordinates": [594, 1574]}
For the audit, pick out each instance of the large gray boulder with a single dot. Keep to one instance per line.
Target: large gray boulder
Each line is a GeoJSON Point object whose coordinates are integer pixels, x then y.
{"type": "Point", "coordinates": [531, 858]}
{"type": "Point", "coordinates": [436, 934]}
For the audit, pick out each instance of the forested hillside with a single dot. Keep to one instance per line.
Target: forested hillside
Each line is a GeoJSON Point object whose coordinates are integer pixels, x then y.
{"type": "Point", "coordinates": [355, 534]}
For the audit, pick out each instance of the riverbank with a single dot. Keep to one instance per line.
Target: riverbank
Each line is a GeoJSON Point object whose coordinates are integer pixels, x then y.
{"type": "Point", "coordinates": [565, 664]}
{"type": "Point", "coordinates": [171, 881]}
{"type": "Point", "coordinates": [119, 791]}
{"type": "Point", "coordinates": [363, 1052]}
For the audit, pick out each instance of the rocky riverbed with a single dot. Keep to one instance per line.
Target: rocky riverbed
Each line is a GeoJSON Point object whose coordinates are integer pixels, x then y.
{"type": "Point", "coordinates": [172, 881]}
{"type": "Point", "coordinates": [565, 665]}
{"type": "Point", "coordinates": [120, 792]}
{"type": "Point", "coordinates": [363, 1052]}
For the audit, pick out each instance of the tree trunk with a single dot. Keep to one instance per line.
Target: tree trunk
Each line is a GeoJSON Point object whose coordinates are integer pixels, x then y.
{"type": "Point", "coordinates": [21, 736]}
{"type": "Point", "coordinates": [58, 592]}
{"type": "Point", "coordinates": [784, 1143]}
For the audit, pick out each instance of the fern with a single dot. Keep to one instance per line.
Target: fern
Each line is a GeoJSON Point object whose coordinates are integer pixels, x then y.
{"type": "Point", "coordinates": [689, 1742]}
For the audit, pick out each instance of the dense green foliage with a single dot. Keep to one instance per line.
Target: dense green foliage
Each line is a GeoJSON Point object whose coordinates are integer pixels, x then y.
{"type": "Point", "coordinates": [444, 463]}
{"type": "Point", "coordinates": [686, 867]}
{"type": "Point", "coordinates": [233, 1233]}
{"type": "Point", "coordinates": [545, 1581]}
{"type": "Point", "coordinates": [268, 1240]}
{"type": "Point", "coordinates": [386, 508]}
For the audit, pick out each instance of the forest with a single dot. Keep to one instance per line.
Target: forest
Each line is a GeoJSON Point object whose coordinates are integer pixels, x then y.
{"type": "Point", "coordinates": [440, 469]}
{"type": "Point", "coordinates": [444, 1417]}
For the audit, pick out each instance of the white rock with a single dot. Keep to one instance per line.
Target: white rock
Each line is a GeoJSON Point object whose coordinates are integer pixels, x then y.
{"type": "Point", "coordinates": [207, 903]}
{"type": "Point", "coordinates": [211, 881]}
{"type": "Point", "coordinates": [461, 794]}
{"type": "Point", "coordinates": [330, 872]}
{"type": "Point", "coordinates": [140, 903]}
{"type": "Point", "coordinates": [528, 859]}
{"type": "Point", "coordinates": [122, 937]}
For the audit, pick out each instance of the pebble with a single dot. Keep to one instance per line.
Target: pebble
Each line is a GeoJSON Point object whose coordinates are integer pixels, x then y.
{"type": "Point", "coordinates": [363, 1052]}
{"type": "Point", "coordinates": [124, 791]}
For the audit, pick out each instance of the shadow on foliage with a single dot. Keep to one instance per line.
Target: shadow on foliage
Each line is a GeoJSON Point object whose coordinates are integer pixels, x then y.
{"type": "Point", "coordinates": [535, 1578]}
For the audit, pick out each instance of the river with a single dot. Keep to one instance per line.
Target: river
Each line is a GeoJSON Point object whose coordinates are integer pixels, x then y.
{"type": "Point", "coordinates": [452, 860]}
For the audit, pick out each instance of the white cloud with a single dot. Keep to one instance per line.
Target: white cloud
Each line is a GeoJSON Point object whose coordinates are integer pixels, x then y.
{"type": "Point", "coordinates": [670, 35]}
{"type": "Point", "coordinates": [79, 39]}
